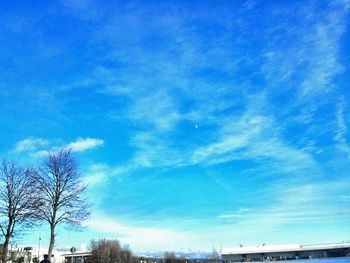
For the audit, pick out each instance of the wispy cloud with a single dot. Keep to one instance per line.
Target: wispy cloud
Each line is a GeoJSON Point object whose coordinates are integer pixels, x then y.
{"type": "Point", "coordinates": [233, 217]}
{"type": "Point", "coordinates": [30, 144]}
{"type": "Point", "coordinates": [161, 108]}
{"type": "Point", "coordinates": [143, 238]}
{"type": "Point", "coordinates": [314, 56]}
{"type": "Point", "coordinates": [99, 172]}
{"type": "Point", "coordinates": [83, 144]}
{"type": "Point", "coordinates": [158, 109]}
{"type": "Point", "coordinates": [324, 57]}
{"type": "Point", "coordinates": [233, 119]}
{"type": "Point", "coordinates": [39, 147]}
{"type": "Point", "coordinates": [340, 136]}
{"type": "Point", "coordinates": [291, 207]}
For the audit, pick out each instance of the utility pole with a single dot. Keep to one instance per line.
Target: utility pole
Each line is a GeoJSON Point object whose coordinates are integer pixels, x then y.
{"type": "Point", "coordinates": [39, 246]}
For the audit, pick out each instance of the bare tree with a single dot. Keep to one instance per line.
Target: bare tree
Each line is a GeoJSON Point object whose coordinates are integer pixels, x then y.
{"type": "Point", "coordinates": [62, 192]}
{"type": "Point", "coordinates": [110, 251]}
{"type": "Point", "coordinates": [18, 202]}
{"type": "Point", "coordinates": [214, 257]}
{"type": "Point", "coordinates": [170, 257]}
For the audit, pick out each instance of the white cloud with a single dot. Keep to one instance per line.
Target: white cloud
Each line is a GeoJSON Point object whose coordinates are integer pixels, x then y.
{"type": "Point", "coordinates": [323, 57]}
{"type": "Point", "coordinates": [252, 135]}
{"type": "Point", "coordinates": [38, 147]}
{"type": "Point", "coordinates": [83, 144]}
{"type": "Point", "coordinates": [40, 154]}
{"type": "Point", "coordinates": [157, 109]}
{"type": "Point", "coordinates": [153, 150]}
{"type": "Point", "coordinates": [292, 206]}
{"type": "Point", "coordinates": [100, 172]}
{"type": "Point", "coordinates": [30, 144]}
{"type": "Point", "coordinates": [340, 136]}
{"type": "Point", "coordinates": [257, 138]}
{"type": "Point", "coordinates": [235, 215]}
{"type": "Point", "coordinates": [143, 238]}
{"type": "Point", "coordinates": [97, 173]}
{"type": "Point", "coordinates": [306, 68]}
{"type": "Point", "coordinates": [236, 135]}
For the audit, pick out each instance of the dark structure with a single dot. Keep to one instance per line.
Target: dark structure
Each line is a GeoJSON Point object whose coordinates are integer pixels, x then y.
{"type": "Point", "coordinates": [285, 252]}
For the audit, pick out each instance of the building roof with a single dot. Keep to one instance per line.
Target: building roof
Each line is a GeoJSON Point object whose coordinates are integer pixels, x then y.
{"type": "Point", "coordinates": [79, 253]}
{"type": "Point", "coordinates": [281, 248]}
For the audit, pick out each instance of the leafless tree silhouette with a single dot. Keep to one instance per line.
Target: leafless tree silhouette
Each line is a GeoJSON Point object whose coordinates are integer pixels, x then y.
{"type": "Point", "coordinates": [18, 201]}
{"type": "Point", "coordinates": [62, 191]}
{"type": "Point", "coordinates": [110, 251]}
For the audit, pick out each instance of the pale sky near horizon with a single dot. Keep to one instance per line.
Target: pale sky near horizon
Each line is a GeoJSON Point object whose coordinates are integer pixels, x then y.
{"type": "Point", "coordinates": [197, 124]}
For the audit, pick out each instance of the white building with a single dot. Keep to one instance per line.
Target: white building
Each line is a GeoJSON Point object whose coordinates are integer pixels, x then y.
{"type": "Point", "coordinates": [282, 252]}
{"type": "Point", "coordinates": [32, 254]}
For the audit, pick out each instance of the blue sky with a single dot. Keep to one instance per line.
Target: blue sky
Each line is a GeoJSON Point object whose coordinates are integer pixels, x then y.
{"type": "Point", "coordinates": [197, 124]}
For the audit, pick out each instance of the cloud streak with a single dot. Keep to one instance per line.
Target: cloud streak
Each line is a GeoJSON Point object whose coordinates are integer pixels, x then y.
{"type": "Point", "coordinates": [143, 238]}
{"type": "Point", "coordinates": [39, 147]}
{"type": "Point", "coordinates": [83, 144]}
{"type": "Point", "coordinates": [30, 144]}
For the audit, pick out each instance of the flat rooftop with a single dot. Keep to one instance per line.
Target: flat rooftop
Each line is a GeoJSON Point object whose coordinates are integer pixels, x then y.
{"type": "Point", "coordinates": [281, 248]}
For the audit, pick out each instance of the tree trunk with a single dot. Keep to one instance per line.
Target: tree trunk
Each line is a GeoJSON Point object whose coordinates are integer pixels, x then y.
{"type": "Point", "coordinates": [52, 241]}
{"type": "Point", "coordinates": [5, 249]}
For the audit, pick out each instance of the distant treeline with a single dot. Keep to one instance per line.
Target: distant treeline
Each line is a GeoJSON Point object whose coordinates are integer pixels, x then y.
{"type": "Point", "coordinates": [110, 251]}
